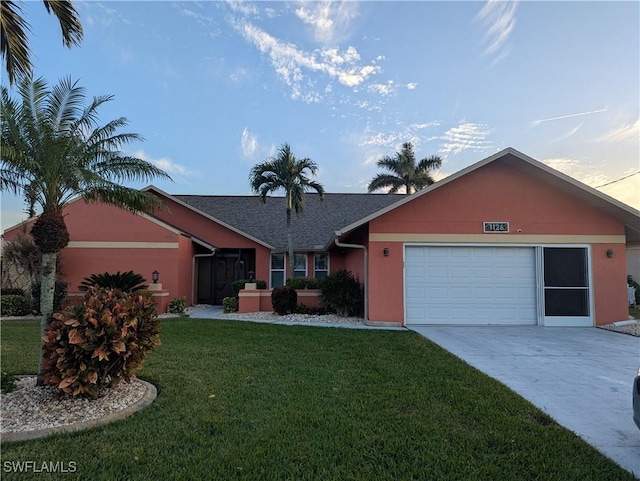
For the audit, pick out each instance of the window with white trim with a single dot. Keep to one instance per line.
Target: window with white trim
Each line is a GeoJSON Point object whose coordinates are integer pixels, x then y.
{"type": "Point", "coordinates": [277, 270]}
{"type": "Point", "coordinates": [300, 264]}
{"type": "Point", "coordinates": [320, 265]}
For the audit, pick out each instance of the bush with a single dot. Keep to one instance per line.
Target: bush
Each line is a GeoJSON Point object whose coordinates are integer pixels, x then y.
{"type": "Point", "coordinates": [230, 304]}
{"type": "Point", "coordinates": [284, 300]}
{"type": "Point", "coordinates": [100, 342]}
{"type": "Point", "coordinates": [13, 305]}
{"type": "Point", "coordinates": [341, 293]}
{"type": "Point", "coordinates": [633, 283]}
{"type": "Point", "coordinates": [126, 281]}
{"type": "Point", "coordinates": [238, 285]}
{"type": "Point", "coordinates": [303, 283]}
{"type": "Point", "coordinates": [312, 310]}
{"type": "Point", "coordinates": [12, 291]}
{"type": "Point", "coordinates": [59, 295]}
{"type": "Point", "coordinates": [177, 305]}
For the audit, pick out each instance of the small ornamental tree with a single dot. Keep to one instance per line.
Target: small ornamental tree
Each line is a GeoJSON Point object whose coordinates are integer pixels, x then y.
{"type": "Point", "coordinates": [100, 342]}
{"type": "Point", "coordinates": [341, 293]}
{"type": "Point", "coordinates": [284, 300]}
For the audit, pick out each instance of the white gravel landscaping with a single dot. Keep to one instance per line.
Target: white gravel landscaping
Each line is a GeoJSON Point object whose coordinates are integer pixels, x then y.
{"type": "Point", "coordinates": [31, 408]}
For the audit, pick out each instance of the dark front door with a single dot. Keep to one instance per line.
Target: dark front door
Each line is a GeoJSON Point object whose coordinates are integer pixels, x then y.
{"type": "Point", "coordinates": [216, 274]}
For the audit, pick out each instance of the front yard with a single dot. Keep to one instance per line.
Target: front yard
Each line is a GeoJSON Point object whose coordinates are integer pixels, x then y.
{"type": "Point", "coordinates": [252, 401]}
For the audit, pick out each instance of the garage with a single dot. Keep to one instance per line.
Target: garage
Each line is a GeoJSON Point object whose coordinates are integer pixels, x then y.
{"type": "Point", "coordinates": [473, 285]}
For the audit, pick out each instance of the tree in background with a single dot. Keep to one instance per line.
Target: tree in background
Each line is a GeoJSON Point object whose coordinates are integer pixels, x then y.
{"type": "Point", "coordinates": [285, 172]}
{"type": "Point", "coordinates": [14, 29]}
{"type": "Point", "coordinates": [405, 171]}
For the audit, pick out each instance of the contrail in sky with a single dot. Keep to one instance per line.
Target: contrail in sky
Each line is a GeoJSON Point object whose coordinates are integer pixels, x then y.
{"type": "Point", "coordinates": [537, 122]}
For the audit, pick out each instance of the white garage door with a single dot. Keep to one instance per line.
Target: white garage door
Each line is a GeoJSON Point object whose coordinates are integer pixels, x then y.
{"type": "Point", "coordinates": [470, 285]}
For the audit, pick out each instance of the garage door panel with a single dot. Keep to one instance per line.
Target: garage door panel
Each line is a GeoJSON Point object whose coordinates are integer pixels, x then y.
{"type": "Point", "coordinates": [470, 285]}
{"type": "Point", "coordinates": [437, 272]}
{"type": "Point", "coordinates": [461, 272]}
{"type": "Point", "coordinates": [460, 252]}
{"type": "Point", "coordinates": [415, 293]}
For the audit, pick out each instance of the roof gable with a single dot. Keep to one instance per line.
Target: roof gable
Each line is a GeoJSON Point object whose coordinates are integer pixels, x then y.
{"type": "Point", "coordinates": [629, 216]}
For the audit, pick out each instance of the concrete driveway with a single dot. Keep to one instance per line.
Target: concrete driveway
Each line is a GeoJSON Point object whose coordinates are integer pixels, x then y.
{"type": "Point", "coordinates": [579, 376]}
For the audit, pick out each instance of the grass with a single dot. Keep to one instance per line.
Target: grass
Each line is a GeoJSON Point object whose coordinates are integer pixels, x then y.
{"type": "Point", "coordinates": [634, 312]}
{"type": "Point", "coordinates": [264, 402]}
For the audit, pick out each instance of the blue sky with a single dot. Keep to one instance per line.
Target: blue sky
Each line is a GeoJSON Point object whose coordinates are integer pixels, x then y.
{"type": "Point", "coordinates": [215, 87]}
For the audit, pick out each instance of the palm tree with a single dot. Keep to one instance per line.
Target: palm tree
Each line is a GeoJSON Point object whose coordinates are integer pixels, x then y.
{"type": "Point", "coordinates": [286, 172]}
{"type": "Point", "coordinates": [405, 172]}
{"type": "Point", "coordinates": [52, 151]}
{"type": "Point", "coordinates": [14, 29]}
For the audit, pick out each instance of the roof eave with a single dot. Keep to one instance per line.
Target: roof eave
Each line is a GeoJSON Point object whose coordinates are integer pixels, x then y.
{"type": "Point", "coordinates": [210, 217]}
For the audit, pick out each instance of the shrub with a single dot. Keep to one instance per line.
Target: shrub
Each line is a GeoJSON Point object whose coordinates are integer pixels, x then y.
{"type": "Point", "coordinates": [177, 305]}
{"type": "Point", "coordinates": [126, 281]}
{"type": "Point", "coordinates": [341, 293]}
{"type": "Point", "coordinates": [100, 342]}
{"type": "Point", "coordinates": [13, 305]}
{"type": "Point", "coordinates": [306, 309]}
{"type": "Point", "coordinates": [303, 283]}
{"type": "Point", "coordinates": [12, 291]}
{"type": "Point", "coordinates": [284, 300]}
{"type": "Point", "coordinates": [59, 295]}
{"type": "Point", "coordinates": [238, 285]}
{"type": "Point", "coordinates": [633, 283]}
{"type": "Point", "coordinates": [230, 304]}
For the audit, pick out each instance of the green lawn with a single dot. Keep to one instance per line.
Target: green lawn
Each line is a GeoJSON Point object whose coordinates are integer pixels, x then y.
{"type": "Point", "coordinates": [253, 401]}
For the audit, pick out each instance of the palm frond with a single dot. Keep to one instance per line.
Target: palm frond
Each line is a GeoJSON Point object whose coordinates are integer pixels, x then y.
{"type": "Point", "coordinates": [430, 163]}
{"type": "Point", "coordinates": [384, 181]}
{"type": "Point", "coordinates": [64, 103]}
{"type": "Point", "coordinates": [52, 150]}
{"type": "Point", "coordinates": [69, 22]}
{"type": "Point", "coordinates": [14, 30]}
{"type": "Point", "coordinates": [14, 41]}
{"type": "Point", "coordinates": [404, 172]}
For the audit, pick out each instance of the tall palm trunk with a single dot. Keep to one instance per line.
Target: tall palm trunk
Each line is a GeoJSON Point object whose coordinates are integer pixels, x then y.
{"type": "Point", "coordinates": [47, 290]}
{"type": "Point", "coordinates": [289, 244]}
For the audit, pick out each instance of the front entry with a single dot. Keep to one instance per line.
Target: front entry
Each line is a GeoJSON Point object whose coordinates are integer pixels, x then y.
{"type": "Point", "coordinates": [216, 274]}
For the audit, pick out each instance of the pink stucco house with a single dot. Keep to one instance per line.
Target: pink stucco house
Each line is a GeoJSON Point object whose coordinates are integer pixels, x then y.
{"type": "Point", "coordinates": [505, 241]}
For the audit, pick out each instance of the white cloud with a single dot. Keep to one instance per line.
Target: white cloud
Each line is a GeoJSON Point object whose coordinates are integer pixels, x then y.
{"type": "Point", "coordinates": [294, 65]}
{"type": "Point", "coordinates": [201, 19]}
{"type": "Point", "coordinates": [567, 134]}
{"type": "Point", "coordinates": [243, 8]}
{"type": "Point", "coordinates": [96, 13]}
{"type": "Point", "coordinates": [627, 132]}
{"type": "Point", "coordinates": [248, 143]}
{"type": "Point", "coordinates": [383, 89]}
{"type": "Point", "coordinates": [412, 85]}
{"type": "Point", "coordinates": [626, 190]}
{"type": "Point", "coordinates": [466, 136]}
{"type": "Point", "coordinates": [498, 18]}
{"type": "Point", "coordinates": [172, 168]}
{"type": "Point", "coordinates": [330, 20]}
{"type": "Point", "coordinates": [535, 123]}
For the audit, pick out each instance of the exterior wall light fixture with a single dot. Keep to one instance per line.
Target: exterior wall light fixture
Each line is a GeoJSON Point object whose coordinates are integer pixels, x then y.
{"type": "Point", "coordinates": [385, 251]}
{"type": "Point", "coordinates": [155, 275]}
{"type": "Point", "coordinates": [609, 253]}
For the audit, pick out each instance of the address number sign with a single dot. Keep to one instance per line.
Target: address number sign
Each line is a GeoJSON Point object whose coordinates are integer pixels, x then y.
{"type": "Point", "coordinates": [493, 227]}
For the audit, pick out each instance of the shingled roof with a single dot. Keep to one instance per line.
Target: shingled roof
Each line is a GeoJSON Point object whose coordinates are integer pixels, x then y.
{"type": "Point", "coordinates": [311, 230]}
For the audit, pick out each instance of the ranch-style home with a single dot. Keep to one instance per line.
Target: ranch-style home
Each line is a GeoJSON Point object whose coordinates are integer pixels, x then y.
{"type": "Point", "coordinates": [506, 241]}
